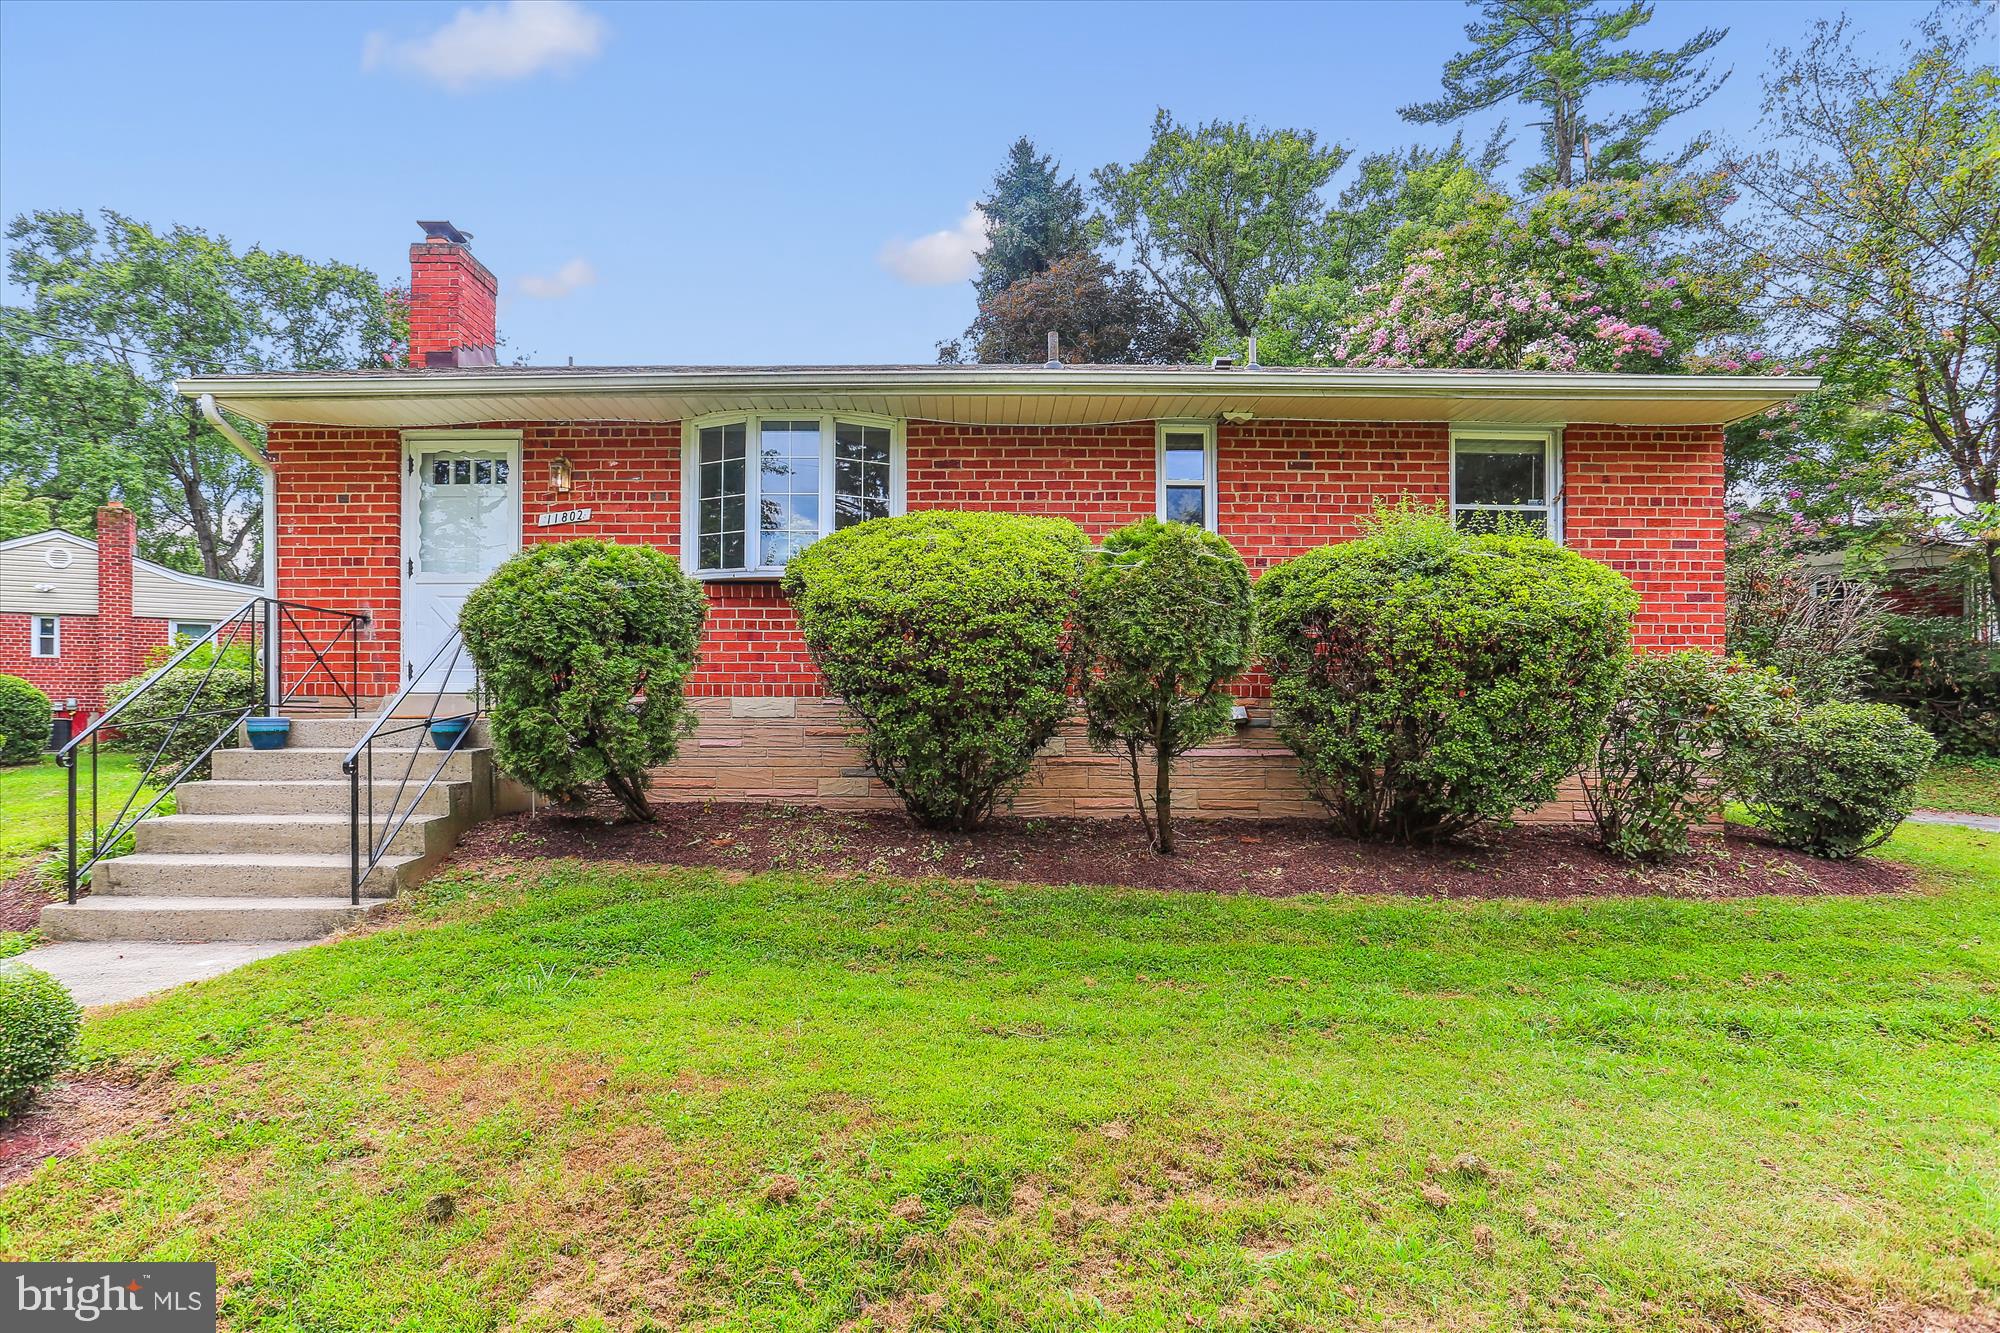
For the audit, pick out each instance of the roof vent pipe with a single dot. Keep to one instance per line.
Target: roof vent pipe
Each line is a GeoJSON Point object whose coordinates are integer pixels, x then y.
{"type": "Point", "coordinates": [1055, 359]}
{"type": "Point", "coordinates": [1252, 358]}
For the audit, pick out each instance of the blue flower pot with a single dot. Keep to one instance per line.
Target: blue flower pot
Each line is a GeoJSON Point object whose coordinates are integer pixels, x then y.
{"type": "Point", "coordinates": [447, 735]}
{"type": "Point", "coordinates": [268, 733]}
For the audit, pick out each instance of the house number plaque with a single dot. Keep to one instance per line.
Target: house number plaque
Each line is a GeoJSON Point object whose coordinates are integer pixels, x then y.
{"type": "Point", "coordinates": [555, 518]}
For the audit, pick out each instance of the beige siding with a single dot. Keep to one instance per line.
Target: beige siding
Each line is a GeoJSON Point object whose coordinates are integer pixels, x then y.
{"type": "Point", "coordinates": [159, 594]}
{"type": "Point", "coordinates": [28, 583]}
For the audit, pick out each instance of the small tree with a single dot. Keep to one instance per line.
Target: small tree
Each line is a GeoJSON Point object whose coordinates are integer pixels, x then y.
{"type": "Point", "coordinates": [945, 634]}
{"type": "Point", "coordinates": [1162, 626]}
{"type": "Point", "coordinates": [584, 647]}
{"type": "Point", "coordinates": [1431, 679]}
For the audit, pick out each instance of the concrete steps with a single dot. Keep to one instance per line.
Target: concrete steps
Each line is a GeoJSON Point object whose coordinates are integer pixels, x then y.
{"type": "Point", "coordinates": [261, 851]}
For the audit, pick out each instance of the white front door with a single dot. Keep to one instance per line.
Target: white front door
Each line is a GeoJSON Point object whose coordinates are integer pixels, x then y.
{"type": "Point", "coordinates": [461, 518]}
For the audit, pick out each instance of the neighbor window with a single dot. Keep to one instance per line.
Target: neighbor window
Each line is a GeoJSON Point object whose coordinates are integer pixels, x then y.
{"type": "Point", "coordinates": [48, 637]}
{"type": "Point", "coordinates": [1187, 473]}
{"type": "Point", "coordinates": [1502, 476]}
{"type": "Point", "coordinates": [763, 488]}
{"type": "Point", "coordinates": [189, 629]}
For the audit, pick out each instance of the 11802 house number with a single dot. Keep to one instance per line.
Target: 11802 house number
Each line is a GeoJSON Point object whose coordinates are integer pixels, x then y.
{"type": "Point", "coordinates": [557, 517]}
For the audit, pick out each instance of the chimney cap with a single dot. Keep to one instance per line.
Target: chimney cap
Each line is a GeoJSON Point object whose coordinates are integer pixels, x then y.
{"type": "Point", "coordinates": [444, 231]}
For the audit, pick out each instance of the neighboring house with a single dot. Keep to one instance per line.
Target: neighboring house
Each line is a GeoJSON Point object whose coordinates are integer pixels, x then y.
{"type": "Point", "coordinates": [1933, 578]}
{"type": "Point", "coordinates": [78, 615]}
{"type": "Point", "coordinates": [396, 491]}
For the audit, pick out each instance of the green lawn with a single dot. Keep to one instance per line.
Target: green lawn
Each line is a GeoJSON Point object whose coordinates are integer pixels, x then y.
{"type": "Point", "coordinates": [1971, 785]}
{"type": "Point", "coordinates": [565, 1096]}
{"type": "Point", "coordinates": [34, 804]}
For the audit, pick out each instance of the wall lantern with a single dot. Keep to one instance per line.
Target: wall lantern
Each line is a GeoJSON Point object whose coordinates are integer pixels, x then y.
{"type": "Point", "coordinates": [561, 475]}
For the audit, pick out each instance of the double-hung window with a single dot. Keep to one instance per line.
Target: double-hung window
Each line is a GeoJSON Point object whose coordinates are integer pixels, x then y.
{"type": "Point", "coordinates": [1187, 473]}
{"type": "Point", "coordinates": [1505, 476]}
{"type": "Point", "coordinates": [48, 637]}
{"type": "Point", "coordinates": [762, 488]}
{"type": "Point", "coordinates": [188, 630]}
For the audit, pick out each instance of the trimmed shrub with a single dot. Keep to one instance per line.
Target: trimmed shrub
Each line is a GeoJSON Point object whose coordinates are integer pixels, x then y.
{"type": "Point", "coordinates": [1934, 669]}
{"type": "Point", "coordinates": [1839, 778]}
{"type": "Point", "coordinates": [38, 1032]}
{"type": "Point", "coordinates": [153, 729]}
{"type": "Point", "coordinates": [1683, 728]}
{"type": "Point", "coordinates": [25, 717]}
{"type": "Point", "coordinates": [1431, 679]}
{"type": "Point", "coordinates": [945, 634]}
{"type": "Point", "coordinates": [584, 647]}
{"type": "Point", "coordinates": [1163, 624]}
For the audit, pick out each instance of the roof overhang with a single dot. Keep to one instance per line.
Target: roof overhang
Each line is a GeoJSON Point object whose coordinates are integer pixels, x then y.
{"type": "Point", "coordinates": [1006, 396]}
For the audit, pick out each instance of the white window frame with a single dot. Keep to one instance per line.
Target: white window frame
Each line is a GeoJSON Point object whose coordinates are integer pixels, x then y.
{"type": "Point", "coordinates": [35, 636]}
{"type": "Point", "coordinates": [1551, 440]}
{"type": "Point", "coordinates": [753, 480]}
{"type": "Point", "coordinates": [1206, 429]}
{"type": "Point", "coordinates": [197, 628]}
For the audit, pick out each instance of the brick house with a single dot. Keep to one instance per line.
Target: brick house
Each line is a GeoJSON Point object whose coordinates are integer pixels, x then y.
{"type": "Point", "coordinates": [395, 491]}
{"type": "Point", "coordinates": [78, 615]}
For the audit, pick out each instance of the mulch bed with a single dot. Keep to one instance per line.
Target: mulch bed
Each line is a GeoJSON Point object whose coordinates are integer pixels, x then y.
{"type": "Point", "coordinates": [1272, 858]}
{"type": "Point", "coordinates": [68, 1116]}
{"type": "Point", "coordinates": [22, 899]}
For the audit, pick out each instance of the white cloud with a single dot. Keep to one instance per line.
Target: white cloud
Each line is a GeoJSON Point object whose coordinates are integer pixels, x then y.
{"type": "Point", "coordinates": [576, 273]}
{"type": "Point", "coordinates": [501, 41]}
{"type": "Point", "coordinates": [951, 255]}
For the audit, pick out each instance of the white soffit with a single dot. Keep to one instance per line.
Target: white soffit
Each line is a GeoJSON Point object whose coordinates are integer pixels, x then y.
{"type": "Point", "coordinates": [1013, 397]}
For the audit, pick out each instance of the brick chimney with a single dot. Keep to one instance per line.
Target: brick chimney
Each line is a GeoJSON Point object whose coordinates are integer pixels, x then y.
{"type": "Point", "coordinates": [119, 651]}
{"type": "Point", "coordinates": [452, 296]}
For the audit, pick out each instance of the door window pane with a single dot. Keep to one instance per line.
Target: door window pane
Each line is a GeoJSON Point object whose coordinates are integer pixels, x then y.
{"type": "Point", "coordinates": [463, 526]}
{"type": "Point", "coordinates": [788, 489]}
{"type": "Point", "coordinates": [860, 473]}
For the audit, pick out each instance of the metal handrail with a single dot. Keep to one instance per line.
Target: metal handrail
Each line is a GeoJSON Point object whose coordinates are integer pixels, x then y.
{"type": "Point", "coordinates": [265, 631]}
{"type": "Point", "coordinates": [362, 758]}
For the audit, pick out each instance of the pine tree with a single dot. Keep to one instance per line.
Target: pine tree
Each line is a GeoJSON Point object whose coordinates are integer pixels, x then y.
{"type": "Point", "coordinates": [1034, 217]}
{"type": "Point", "coordinates": [1554, 55]}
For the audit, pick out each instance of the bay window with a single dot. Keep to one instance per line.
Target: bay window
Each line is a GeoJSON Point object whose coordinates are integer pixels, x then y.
{"type": "Point", "coordinates": [763, 487]}
{"type": "Point", "coordinates": [1507, 472]}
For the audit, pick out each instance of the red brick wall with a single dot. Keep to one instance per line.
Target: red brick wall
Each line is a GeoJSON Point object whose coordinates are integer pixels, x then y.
{"type": "Point", "coordinates": [1648, 502]}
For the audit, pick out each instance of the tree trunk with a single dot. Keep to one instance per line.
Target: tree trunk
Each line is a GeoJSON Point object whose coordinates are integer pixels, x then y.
{"type": "Point", "coordinates": [631, 796]}
{"type": "Point", "coordinates": [1163, 800]}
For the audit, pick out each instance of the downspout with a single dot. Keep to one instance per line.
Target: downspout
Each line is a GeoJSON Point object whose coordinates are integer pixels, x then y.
{"type": "Point", "coordinates": [260, 461]}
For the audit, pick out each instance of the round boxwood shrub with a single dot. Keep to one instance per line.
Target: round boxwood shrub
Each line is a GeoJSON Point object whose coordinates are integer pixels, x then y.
{"type": "Point", "coordinates": [1162, 627]}
{"type": "Point", "coordinates": [1430, 679]}
{"type": "Point", "coordinates": [38, 1030]}
{"type": "Point", "coordinates": [1838, 779]}
{"type": "Point", "coordinates": [25, 716]}
{"type": "Point", "coordinates": [945, 634]}
{"type": "Point", "coordinates": [583, 648]}
{"type": "Point", "coordinates": [1683, 728]}
{"type": "Point", "coordinates": [154, 729]}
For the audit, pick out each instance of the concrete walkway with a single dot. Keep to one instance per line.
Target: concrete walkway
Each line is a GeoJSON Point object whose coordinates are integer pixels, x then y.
{"type": "Point", "coordinates": [107, 972]}
{"type": "Point", "coordinates": [1991, 823]}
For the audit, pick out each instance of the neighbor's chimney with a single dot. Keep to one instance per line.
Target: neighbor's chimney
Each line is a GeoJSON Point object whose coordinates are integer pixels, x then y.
{"type": "Point", "coordinates": [118, 648]}
{"type": "Point", "coordinates": [451, 300]}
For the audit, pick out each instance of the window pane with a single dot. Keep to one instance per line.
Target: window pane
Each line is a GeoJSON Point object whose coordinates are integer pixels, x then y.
{"type": "Point", "coordinates": [441, 473]}
{"type": "Point", "coordinates": [1184, 504]}
{"type": "Point", "coordinates": [1186, 459]}
{"type": "Point", "coordinates": [788, 482]}
{"type": "Point", "coordinates": [482, 471]}
{"type": "Point", "coordinates": [1501, 472]}
{"type": "Point", "coordinates": [860, 473]}
{"type": "Point", "coordinates": [1535, 521]}
{"type": "Point", "coordinates": [461, 472]}
{"type": "Point", "coordinates": [721, 500]}
{"type": "Point", "coordinates": [462, 527]}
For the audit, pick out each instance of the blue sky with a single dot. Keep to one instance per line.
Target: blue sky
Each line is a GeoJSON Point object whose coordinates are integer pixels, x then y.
{"type": "Point", "coordinates": [665, 183]}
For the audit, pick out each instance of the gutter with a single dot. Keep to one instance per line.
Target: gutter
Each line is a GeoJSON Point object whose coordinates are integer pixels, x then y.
{"type": "Point", "coordinates": [1027, 381]}
{"type": "Point", "coordinates": [262, 462]}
